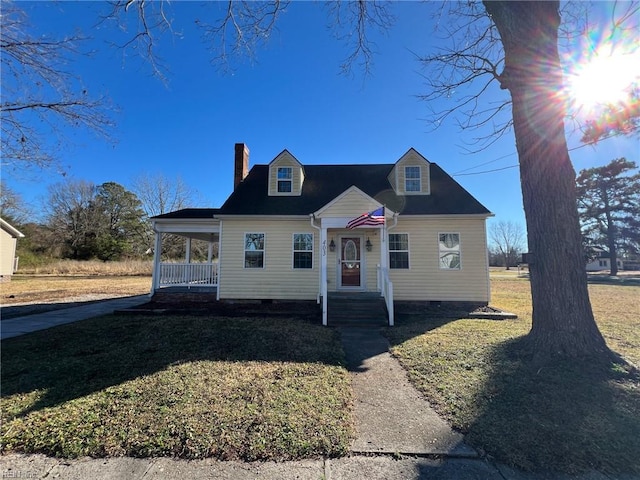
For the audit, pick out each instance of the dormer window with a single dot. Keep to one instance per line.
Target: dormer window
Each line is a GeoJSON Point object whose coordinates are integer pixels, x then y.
{"type": "Point", "coordinates": [285, 179]}
{"type": "Point", "coordinates": [412, 179]}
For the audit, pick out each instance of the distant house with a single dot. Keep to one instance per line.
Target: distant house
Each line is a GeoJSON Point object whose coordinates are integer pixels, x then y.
{"type": "Point", "coordinates": [602, 261]}
{"type": "Point", "coordinates": [8, 260]}
{"type": "Point", "coordinates": [405, 230]}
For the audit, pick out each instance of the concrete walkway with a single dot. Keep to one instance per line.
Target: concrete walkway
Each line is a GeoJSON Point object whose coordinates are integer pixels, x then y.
{"type": "Point", "coordinates": [391, 415]}
{"type": "Point", "coordinates": [14, 327]}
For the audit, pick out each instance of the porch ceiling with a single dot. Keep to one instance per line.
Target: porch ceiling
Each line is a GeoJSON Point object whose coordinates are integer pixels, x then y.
{"type": "Point", "coordinates": [206, 237]}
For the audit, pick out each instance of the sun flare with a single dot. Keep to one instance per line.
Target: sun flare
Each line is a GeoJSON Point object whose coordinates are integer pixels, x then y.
{"type": "Point", "coordinates": [604, 80]}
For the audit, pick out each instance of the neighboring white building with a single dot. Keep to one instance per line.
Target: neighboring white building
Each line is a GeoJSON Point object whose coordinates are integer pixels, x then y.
{"type": "Point", "coordinates": [8, 239]}
{"type": "Point", "coordinates": [603, 262]}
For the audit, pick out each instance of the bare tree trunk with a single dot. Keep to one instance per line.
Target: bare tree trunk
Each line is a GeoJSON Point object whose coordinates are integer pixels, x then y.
{"type": "Point", "coordinates": [563, 322]}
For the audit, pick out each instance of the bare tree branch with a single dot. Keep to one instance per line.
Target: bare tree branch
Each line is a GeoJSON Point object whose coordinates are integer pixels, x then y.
{"type": "Point", "coordinates": [244, 27]}
{"type": "Point", "coordinates": [39, 96]}
{"type": "Point", "coordinates": [352, 22]}
{"type": "Point", "coordinates": [508, 240]}
{"type": "Point", "coordinates": [475, 57]}
{"type": "Point", "coordinates": [148, 21]}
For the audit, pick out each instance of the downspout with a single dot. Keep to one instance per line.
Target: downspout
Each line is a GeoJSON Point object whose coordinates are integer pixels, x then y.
{"type": "Point", "coordinates": [486, 248]}
{"type": "Point", "coordinates": [395, 221]}
{"type": "Point", "coordinates": [312, 218]}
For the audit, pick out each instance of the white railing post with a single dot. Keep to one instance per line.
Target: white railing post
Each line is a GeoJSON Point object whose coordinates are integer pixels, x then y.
{"type": "Point", "coordinates": [387, 293]}
{"type": "Point", "coordinates": [156, 273]}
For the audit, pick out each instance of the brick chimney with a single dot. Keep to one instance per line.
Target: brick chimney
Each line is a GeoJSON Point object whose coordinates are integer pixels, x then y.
{"type": "Point", "coordinates": [241, 165]}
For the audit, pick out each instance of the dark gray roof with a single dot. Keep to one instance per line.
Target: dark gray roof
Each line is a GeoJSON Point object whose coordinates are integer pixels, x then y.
{"type": "Point", "coordinates": [195, 213]}
{"type": "Point", "coordinates": [323, 183]}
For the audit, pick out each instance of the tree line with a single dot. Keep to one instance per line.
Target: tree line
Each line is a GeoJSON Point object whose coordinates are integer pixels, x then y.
{"type": "Point", "coordinates": [81, 220]}
{"type": "Point", "coordinates": [609, 208]}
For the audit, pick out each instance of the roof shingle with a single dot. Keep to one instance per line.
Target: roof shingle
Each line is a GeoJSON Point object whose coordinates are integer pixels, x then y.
{"type": "Point", "coordinates": [322, 183]}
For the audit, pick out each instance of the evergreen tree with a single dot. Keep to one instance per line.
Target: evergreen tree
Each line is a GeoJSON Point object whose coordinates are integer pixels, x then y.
{"type": "Point", "coordinates": [609, 207]}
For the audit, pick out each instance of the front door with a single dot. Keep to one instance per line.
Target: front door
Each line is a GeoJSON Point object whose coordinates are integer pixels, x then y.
{"type": "Point", "coordinates": [350, 262]}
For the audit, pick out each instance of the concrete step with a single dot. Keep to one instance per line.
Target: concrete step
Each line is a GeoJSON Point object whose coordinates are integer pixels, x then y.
{"type": "Point", "coordinates": [356, 309]}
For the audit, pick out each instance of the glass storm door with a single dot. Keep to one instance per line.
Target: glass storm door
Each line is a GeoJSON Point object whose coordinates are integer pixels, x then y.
{"type": "Point", "coordinates": [350, 262]}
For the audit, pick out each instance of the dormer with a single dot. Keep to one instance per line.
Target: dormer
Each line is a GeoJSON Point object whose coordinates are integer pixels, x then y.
{"type": "Point", "coordinates": [410, 175]}
{"type": "Point", "coordinates": [286, 176]}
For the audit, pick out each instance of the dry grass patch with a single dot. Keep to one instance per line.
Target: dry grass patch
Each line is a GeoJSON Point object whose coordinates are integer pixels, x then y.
{"type": "Point", "coordinates": [89, 267]}
{"type": "Point", "coordinates": [189, 387]}
{"type": "Point", "coordinates": [568, 416]}
{"type": "Point", "coordinates": [48, 289]}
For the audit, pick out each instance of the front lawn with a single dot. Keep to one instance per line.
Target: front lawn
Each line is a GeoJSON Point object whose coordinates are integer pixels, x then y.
{"type": "Point", "coordinates": [565, 416]}
{"type": "Point", "coordinates": [191, 387]}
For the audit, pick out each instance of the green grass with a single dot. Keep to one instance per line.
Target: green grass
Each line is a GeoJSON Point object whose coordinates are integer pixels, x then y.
{"type": "Point", "coordinates": [566, 416]}
{"type": "Point", "coordinates": [188, 387]}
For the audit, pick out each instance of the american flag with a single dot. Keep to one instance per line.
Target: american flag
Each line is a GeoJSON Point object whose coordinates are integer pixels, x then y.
{"type": "Point", "coordinates": [374, 218]}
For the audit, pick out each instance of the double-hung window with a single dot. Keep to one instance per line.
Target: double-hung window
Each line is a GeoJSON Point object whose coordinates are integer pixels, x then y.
{"type": "Point", "coordinates": [303, 250]}
{"type": "Point", "coordinates": [398, 250]}
{"type": "Point", "coordinates": [285, 179]}
{"type": "Point", "coordinates": [254, 250]}
{"type": "Point", "coordinates": [412, 179]}
{"type": "Point", "coordinates": [449, 251]}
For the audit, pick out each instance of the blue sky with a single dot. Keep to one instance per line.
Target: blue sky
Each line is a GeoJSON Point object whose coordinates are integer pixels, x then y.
{"type": "Point", "coordinates": [292, 96]}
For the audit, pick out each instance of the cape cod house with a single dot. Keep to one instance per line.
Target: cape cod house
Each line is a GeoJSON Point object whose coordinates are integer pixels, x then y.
{"type": "Point", "coordinates": [405, 230]}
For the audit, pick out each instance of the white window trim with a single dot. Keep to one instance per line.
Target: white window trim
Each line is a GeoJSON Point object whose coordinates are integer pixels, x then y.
{"type": "Point", "coordinates": [459, 252]}
{"type": "Point", "coordinates": [419, 179]}
{"type": "Point", "coordinates": [293, 250]}
{"type": "Point", "coordinates": [244, 250]}
{"type": "Point", "coordinates": [408, 250]}
{"type": "Point", "coordinates": [278, 180]}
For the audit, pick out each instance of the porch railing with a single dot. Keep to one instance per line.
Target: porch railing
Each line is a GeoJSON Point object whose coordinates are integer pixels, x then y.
{"type": "Point", "coordinates": [386, 290]}
{"type": "Point", "coordinates": [188, 274]}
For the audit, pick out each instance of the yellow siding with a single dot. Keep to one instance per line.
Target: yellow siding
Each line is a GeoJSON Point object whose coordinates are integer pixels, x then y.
{"type": "Point", "coordinates": [286, 160]}
{"type": "Point", "coordinates": [424, 280]}
{"type": "Point", "coordinates": [278, 279]}
{"type": "Point", "coordinates": [351, 205]}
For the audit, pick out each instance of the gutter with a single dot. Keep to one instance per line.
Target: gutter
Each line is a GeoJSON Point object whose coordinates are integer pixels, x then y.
{"type": "Point", "coordinates": [312, 218]}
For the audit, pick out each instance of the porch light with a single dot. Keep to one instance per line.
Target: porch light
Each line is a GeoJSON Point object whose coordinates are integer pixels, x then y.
{"type": "Point", "coordinates": [368, 245]}
{"type": "Point", "coordinates": [332, 246]}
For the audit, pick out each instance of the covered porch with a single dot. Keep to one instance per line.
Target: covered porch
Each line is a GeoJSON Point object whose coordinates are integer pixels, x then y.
{"type": "Point", "coordinates": [195, 234]}
{"type": "Point", "coordinates": [354, 261]}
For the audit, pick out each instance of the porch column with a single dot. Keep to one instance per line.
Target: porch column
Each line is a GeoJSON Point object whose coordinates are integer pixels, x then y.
{"type": "Point", "coordinates": [219, 267]}
{"type": "Point", "coordinates": [210, 252]}
{"type": "Point", "coordinates": [323, 273]}
{"type": "Point", "coordinates": [384, 251]}
{"type": "Point", "coordinates": [157, 253]}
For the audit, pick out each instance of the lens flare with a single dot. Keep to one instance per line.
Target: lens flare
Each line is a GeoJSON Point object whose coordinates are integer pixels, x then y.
{"type": "Point", "coordinates": [604, 80]}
